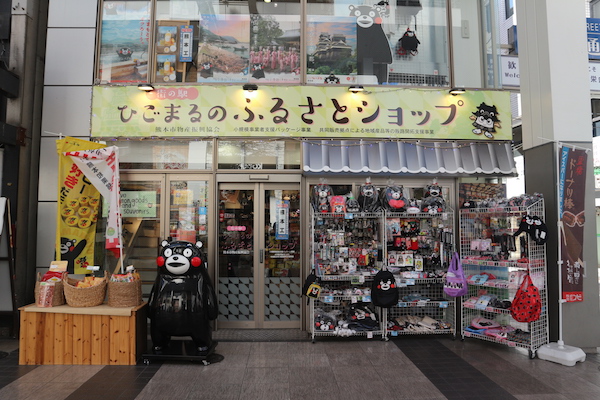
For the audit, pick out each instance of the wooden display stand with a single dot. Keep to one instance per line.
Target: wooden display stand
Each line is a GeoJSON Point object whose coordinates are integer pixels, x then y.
{"type": "Point", "coordinates": [100, 335]}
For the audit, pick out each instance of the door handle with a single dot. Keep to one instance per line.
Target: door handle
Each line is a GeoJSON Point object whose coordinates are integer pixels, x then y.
{"type": "Point", "coordinates": [261, 256]}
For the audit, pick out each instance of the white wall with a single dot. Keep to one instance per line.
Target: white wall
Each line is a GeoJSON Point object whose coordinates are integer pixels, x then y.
{"type": "Point", "coordinates": [467, 56]}
{"type": "Point", "coordinates": [70, 57]}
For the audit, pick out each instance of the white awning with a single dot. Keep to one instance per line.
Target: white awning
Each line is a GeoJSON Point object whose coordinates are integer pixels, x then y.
{"type": "Point", "coordinates": [397, 157]}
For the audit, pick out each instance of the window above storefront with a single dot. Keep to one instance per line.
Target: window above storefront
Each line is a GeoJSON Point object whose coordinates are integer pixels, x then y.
{"type": "Point", "coordinates": [165, 154]}
{"type": "Point", "coordinates": [258, 154]}
{"type": "Point", "coordinates": [404, 42]}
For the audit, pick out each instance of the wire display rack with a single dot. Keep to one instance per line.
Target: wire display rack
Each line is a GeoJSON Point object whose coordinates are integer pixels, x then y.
{"type": "Point", "coordinates": [344, 309]}
{"type": "Point", "coordinates": [423, 308]}
{"type": "Point", "coordinates": [495, 260]}
{"type": "Point", "coordinates": [346, 254]}
{"type": "Point", "coordinates": [350, 248]}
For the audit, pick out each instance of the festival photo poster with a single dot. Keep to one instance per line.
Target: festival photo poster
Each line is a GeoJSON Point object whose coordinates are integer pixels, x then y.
{"type": "Point", "coordinates": [274, 49]}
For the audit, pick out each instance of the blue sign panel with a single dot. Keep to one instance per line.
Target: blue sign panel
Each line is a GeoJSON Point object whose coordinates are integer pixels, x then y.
{"type": "Point", "coordinates": [593, 37]}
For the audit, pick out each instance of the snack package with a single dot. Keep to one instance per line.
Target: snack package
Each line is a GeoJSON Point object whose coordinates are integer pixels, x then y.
{"type": "Point", "coordinates": [46, 294]}
{"type": "Point", "coordinates": [52, 276]}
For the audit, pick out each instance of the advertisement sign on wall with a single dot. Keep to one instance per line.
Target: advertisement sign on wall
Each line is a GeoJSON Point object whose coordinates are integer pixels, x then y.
{"type": "Point", "coordinates": [573, 165]}
{"type": "Point", "coordinates": [300, 111]}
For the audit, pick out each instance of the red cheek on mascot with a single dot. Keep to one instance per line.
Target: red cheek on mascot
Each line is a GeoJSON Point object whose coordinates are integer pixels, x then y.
{"type": "Point", "coordinates": [196, 262]}
{"type": "Point", "coordinates": [160, 261]}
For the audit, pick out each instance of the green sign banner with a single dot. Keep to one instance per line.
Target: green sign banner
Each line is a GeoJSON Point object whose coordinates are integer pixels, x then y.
{"type": "Point", "coordinates": [138, 204]}
{"type": "Point", "coordinates": [300, 111]}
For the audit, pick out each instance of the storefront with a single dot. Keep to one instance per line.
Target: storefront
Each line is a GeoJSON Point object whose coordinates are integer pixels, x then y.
{"type": "Point", "coordinates": [235, 170]}
{"type": "Point", "coordinates": [251, 104]}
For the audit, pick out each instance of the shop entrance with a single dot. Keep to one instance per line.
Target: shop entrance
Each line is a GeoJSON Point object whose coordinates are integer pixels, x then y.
{"type": "Point", "coordinates": [259, 255]}
{"type": "Point", "coordinates": [156, 207]}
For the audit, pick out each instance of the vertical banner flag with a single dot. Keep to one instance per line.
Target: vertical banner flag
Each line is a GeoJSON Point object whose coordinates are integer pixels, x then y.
{"type": "Point", "coordinates": [573, 164]}
{"type": "Point", "coordinates": [101, 167]}
{"type": "Point", "coordinates": [78, 202]}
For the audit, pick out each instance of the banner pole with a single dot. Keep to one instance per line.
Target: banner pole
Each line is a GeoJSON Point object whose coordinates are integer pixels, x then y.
{"type": "Point", "coordinates": [558, 352]}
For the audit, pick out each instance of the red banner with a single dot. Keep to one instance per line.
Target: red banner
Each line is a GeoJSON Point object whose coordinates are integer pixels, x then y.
{"type": "Point", "coordinates": [573, 164]}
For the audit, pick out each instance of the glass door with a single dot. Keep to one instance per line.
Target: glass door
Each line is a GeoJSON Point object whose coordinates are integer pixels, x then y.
{"type": "Point", "coordinates": [156, 207]}
{"type": "Point", "coordinates": [142, 197]}
{"type": "Point", "coordinates": [282, 261]}
{"type": "Point", "coordinates": [259, 255]}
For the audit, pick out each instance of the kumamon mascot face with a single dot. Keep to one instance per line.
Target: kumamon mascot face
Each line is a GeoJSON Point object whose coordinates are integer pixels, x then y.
{"type": "Point", "coordinates": [180, 258]}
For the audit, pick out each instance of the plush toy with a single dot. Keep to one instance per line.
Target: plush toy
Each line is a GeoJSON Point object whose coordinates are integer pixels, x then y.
{"type": "Point", "coordinates": [323, 321]}
{"type": "Point", "coordinates": [183, 300]}
{"type": "Point", "coordinates": [352, 205]}
{"type": "Point", "coordinates": [413, 207]}
{"type": "Point", "coordinates": [321, 194]}
{"type": "Point", "coordinates": [393, 199]}
{"type": "Point", "coordinates": [332, 79]}
{"type": "Point", "coordinates": [338, 204]}
{"type": "Point", "coordinates": [433, 201]}
{"type": "Point", "coordinates": [368, 199]}
{"type": "Point", "coordinates": [258, 71]}
{"type": "Point", "coordinates": [408, 43]}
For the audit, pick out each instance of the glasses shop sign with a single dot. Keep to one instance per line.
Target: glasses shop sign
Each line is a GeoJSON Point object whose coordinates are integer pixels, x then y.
{"type": "Point", "coordinates": [300, 111]}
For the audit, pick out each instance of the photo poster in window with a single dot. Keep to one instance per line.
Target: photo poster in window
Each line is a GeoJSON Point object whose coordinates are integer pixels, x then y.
{"type": "Point", "coordinates": [125, 40]}
{"type": "Point", "coordinates": [480, 191]}
{"type": "Point", "coordinates": [170, 156]}
{"type": "Point", "coordinates": [282, 231]}
{"type": "Point", "coordinates": [186, 229]}
{"type": "Point", "coordinates": [182, 196]}
{"type": "Point", "coordinates": [274, 49]}
{"type": "Point", "coordinates": [224, 49]}
{"type": "Point", "coordinates": [331, 50]}
{"type": "Point", "coordinates": [166, 40]}
{"type": "Point", "coordinates": [165, 68]}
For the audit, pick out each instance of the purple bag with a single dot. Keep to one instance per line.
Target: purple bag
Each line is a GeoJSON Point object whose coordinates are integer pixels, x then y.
{"type": "Point", "coordinates": [455, 283]}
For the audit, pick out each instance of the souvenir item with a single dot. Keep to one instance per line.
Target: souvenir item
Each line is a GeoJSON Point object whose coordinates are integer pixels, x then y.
{"type": "Point", "coordinates": [455, 283]}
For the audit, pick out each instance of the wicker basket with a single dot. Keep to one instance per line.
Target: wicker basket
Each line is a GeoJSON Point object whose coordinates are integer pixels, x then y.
{"type": "Point", "coordinates": [125, 294]}
{"type": "Point", "coordinates": [58, 298]}
{"type": "Point", "coordinates": [84, 297]}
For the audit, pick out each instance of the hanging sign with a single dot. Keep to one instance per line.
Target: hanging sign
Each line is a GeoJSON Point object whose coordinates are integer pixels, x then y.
{"type": "Point", "coordinates": [573, 164]}
{"type": "Point", "coordinates": [300, 111]}
{"type": "Point", "coordinates": [185, 43]}
{"type": "Point", "coordinates": [283, 220]}
{"type": "Point", "coordinates": [101, 167]}
{"type": "Point", "coordinates": [78, 201]}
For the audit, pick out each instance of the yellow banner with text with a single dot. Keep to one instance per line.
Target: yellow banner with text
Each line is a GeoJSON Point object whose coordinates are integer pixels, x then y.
{"type": "Point", "coordinates": [300, 111]}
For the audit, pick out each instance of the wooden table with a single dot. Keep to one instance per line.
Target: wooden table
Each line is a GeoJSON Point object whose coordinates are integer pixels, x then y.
{"type": "Point", "coordinates": [100, 335]}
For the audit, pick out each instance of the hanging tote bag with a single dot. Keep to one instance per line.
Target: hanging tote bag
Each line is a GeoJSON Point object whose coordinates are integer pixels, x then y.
{"type": "Point", "coordinates": [527, 305]}
{"type": "Point", "coordinates": [455, 283]}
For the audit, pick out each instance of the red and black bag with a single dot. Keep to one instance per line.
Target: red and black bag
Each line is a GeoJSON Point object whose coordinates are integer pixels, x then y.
{"type": "Point", "coordinates": [527, 304]}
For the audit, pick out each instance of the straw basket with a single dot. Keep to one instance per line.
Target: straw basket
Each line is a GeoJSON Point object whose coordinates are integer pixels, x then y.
{"type": "Point", "coordinates": [125, 294]}
{"type": "Point", "coordinates": [58, 298]}
{"type": "Point", "coordinates": [84, 297]}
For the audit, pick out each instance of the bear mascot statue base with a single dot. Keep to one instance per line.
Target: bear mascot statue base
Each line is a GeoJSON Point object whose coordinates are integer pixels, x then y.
{"type": "Point", "coordinates": [183, 300]}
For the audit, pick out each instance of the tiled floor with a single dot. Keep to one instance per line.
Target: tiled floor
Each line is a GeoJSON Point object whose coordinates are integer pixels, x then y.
{"type": "Point", "coordinates": [407, 367]}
